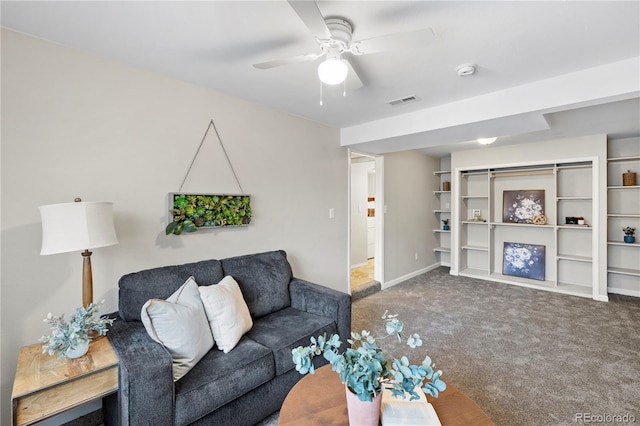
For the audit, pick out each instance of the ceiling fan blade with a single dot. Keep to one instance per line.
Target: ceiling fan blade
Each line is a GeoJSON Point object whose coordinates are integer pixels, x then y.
{"type": "Point", "coordinates": [409, 40]}
{"type": "Point", "coordinates": [286, 61]}
{"type": "Point", "coordinates": [353, 81]}
{"type": "Point", "coordinates": [310, 14]}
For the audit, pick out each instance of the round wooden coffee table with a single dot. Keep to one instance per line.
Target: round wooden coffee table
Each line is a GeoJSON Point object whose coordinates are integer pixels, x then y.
{"type": "Point", "coordinates": [319, 399]}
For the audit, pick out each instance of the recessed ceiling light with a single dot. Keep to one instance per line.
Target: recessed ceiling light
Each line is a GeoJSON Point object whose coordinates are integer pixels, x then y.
{"type": "Point", "coordinates": [466, 70]}
{"type": "Point", "coordinates": [486, 141]}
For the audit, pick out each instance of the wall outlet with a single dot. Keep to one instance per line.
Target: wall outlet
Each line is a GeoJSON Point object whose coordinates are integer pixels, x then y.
{"type": "Point", "coordinates": [332, 213]}
{"type": "Point", "coordinates": [447, 205]}
{"type": "Point", "coordinates": [416, 255]}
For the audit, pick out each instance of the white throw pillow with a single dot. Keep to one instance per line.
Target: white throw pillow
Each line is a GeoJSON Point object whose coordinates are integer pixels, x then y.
{"type": "Point", "coordinates": [228, 314]}
{"type": "Point", "coordinates": [180, 325]}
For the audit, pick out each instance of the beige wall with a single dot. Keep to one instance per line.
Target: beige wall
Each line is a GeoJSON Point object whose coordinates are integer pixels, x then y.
{"type": "Point", "coordinates": [409, 220]}
{"type": "Point", "coordinates": [76, 125]}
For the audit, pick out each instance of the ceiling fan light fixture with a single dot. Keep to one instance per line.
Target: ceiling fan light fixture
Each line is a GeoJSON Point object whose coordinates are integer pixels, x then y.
{"type": "Point", "coordinates": [486, 141]}
{"type": "Point", "coordinates": [333, 71]}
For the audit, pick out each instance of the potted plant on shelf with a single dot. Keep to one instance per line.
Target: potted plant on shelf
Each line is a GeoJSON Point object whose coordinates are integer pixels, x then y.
{"type": "Point", "coordinates": [628, 234]}
{"type": "Point", "coordinates": [445, 224]}
{"type": "Point", "coordinates": [71, 339]}
{"type": "Point", "coordinates": [365, 371]}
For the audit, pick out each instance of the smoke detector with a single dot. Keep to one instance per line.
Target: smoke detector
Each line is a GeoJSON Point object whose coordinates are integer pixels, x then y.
{"type": "Point", "coordinates": [466, 70]}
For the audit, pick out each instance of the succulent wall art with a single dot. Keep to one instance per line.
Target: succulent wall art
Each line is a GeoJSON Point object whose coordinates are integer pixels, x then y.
{"type": "Point", "coordinates": [192, 211]}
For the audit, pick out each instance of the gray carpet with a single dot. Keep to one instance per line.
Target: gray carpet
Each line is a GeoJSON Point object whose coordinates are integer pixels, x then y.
{"type": "Point", "coordinates": [527, 357]}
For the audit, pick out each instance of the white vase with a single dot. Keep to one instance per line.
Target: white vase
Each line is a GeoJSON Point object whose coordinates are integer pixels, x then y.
{"type": "Point", "coordinates": [77, 351]}
{"type": "Point", "coordinates": [363, 413]}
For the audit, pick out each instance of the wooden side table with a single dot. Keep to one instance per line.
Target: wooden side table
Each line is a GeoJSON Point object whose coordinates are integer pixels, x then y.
{"type": "Point", "coordinates": [45, 385]}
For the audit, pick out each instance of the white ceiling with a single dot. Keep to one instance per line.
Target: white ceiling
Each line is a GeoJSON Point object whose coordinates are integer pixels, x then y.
{"type": "Point", "coordinates": [544, 69]}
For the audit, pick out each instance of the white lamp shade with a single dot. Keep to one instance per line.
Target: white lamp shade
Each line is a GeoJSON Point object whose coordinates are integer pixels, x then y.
{"type": "Point", "coordinates": [77, 226]}
{"type": "Point", "coordinates": [332, 71]}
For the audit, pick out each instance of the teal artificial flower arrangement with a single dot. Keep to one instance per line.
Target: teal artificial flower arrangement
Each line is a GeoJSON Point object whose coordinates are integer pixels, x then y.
{"type": "Point", "coordinates": [69, 335]}
{"type": "Point", "coordinates": [364, 369]}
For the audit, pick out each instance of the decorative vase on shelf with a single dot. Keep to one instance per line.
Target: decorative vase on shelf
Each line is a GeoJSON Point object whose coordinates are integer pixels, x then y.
{"type": "Point", "coordinates": [78, 350]}
{"type": "Point", "coordinates": [629, 239]}
{"type": "Point", "coordinates": [363, 413]}
{"type": "Point", "coordinates": [445, 227]}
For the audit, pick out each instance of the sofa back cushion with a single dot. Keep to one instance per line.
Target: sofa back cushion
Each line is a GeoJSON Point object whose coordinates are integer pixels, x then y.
{"type": "Point", "coordinates": [160, 283]}
{"type": "Point", "coordinates": [263, 279]}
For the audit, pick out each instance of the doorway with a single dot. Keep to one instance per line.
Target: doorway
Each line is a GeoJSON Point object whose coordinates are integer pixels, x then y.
{"type": "Point", "coordinates": [366, 207]}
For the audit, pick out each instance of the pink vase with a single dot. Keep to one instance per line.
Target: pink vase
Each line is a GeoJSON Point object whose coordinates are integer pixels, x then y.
{"type": "Point", "coordinates": [363, 413]}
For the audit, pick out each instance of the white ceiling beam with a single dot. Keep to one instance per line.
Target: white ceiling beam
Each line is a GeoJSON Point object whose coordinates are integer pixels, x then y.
{"type": "Point", "coordinates": [607, 83]}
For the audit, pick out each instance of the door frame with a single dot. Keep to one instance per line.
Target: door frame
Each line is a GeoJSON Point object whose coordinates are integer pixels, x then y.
{"type": "Point", "coordinates": [378, 262]}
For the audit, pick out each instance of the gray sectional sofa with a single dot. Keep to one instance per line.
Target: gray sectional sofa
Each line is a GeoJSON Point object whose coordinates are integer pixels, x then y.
{"type": "Point", "coordinates": [243, 386]}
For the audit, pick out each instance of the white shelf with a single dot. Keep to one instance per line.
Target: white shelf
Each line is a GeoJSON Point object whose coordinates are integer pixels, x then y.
{"type": "Point", "coordinates": [442, 211]}
{"type": "Point", "coordinates": [441, 192]}
{"type": "Point", "coordinates": [526, 225]}
{"type": "Point", "coordinates": [474, 273]}
{"type": "Point", "coordinates": [442, 230]}
{"type": "Point", "coordinates": [622, 206]}
{"type": "Point", "coordinates": [442, 249]}
{"type": "Point", "coordinates": [624, 271]}
{"type": "Point", "coordinates": [570, 258]}
{"type": "Point", "coordinates": [581, 227]}
{"type": "Point", "coordinates": [623, 244]}
{"type": "Point", "coordinates": [476, 248]}
{"type": "Point", "coordinates": [442, 172]}
{"type": "Point", "coordinates": [624, 187]}
{"type": "Point", "coordinates": [587, 259]}
{"type": "Point", "coordinates": [623, 159]}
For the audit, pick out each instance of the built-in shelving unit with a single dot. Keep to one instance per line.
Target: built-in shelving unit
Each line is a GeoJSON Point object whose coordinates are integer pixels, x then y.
{"type": "Point", "coordinates": [482, 232]}
{"type": "Point", "coordinates": [623, 202]}
{"type": "Point", "coordinates": [443, 237]}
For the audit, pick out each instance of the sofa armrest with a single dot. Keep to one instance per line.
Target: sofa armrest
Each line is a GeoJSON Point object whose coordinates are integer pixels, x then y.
{"type": "Point", "coordinates": [319, 300]}
{"type": "Point", "coordinates": [146, 389]}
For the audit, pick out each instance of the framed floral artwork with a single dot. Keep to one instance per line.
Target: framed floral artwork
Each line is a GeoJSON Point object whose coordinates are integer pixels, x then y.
{"type": "Point", "coordinates": [523, 260]}
{"type": "Point", "coordinates": [522, 206]}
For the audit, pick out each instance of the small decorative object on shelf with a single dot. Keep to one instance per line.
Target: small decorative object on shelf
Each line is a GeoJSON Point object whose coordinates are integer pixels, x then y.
{"type": "Point", "coordinates": [628, 234]}
{"type": "Point", "coordinates": [446, 185]}
{"type": "Point", "coordinates": [570, 220]}
{"type": "Point", "coordinates": [539, 219]}
{"type": "Point", "coordinates": [365, 371]}
{"type": "Point", "coordinates": [629, 178]}
{"type": "Point", "coordinates": [581, 220]}
{"type": "Point", "coordinates": [445, 224]}
{"type": "Point", "coordinates": [71, 339]}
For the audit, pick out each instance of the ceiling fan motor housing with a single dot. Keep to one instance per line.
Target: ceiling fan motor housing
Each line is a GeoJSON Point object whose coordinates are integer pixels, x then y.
{"type": "Point", "coordinates": [341, 30]}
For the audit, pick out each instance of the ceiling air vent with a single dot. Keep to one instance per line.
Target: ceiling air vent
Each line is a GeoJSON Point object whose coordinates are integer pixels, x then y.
{"type": "Point", "coordinates": [403, 101]}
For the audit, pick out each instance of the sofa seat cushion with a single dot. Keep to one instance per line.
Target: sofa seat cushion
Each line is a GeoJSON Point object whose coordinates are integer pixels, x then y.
{"type": "Point", "coordinates": [219, 378]}
{"type": "Point", "coordinates": [287, 329]}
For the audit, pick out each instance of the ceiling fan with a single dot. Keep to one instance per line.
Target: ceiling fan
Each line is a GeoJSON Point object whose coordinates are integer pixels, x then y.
{"type": "Point", "coordinates": [334, 38]}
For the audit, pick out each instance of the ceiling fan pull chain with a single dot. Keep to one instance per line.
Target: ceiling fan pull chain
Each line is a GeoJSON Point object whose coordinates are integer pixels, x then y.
{"type": "Point", "coordinates": [344, 88]}
{"type": "Point", "coordinates": [321, 94]}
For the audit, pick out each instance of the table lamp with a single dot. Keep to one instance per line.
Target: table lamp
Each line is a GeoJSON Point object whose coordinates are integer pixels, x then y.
{"type": "Point", "coordinates": [81, 225]}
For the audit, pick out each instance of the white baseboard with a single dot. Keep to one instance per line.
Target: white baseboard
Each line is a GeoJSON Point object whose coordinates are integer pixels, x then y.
{"type": "Point", "coordinates": [357, 265]}
{"type": "Point", "coordinates": [623, 291]}
{"type": "Point", "coordinates": [406, 277]}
